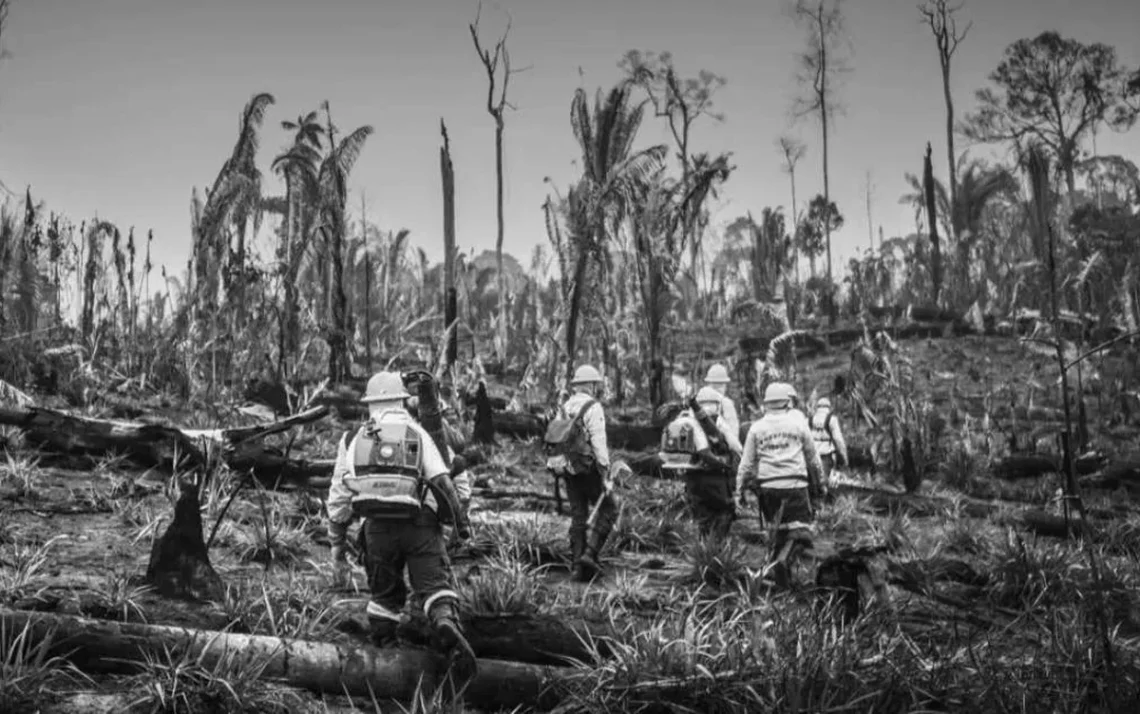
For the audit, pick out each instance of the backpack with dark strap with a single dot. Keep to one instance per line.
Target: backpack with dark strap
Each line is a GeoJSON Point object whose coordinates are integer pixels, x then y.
{"type": "Point", "coordinates": [678, 451]}
{"type": "Point", "coordinates": [567, 444]}
{"type": "Point", "coordinates": [385, 462]}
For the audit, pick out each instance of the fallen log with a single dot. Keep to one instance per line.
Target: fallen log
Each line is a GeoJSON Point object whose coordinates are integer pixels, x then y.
{"type": "Point", "coordinates": [1123, 474]}
{"type": "Point", "coordinates": [529, 639]}
{"type": "Point", "coordinates": [100, 646]}
{"type": "Point", "coordinates": [147, 444]}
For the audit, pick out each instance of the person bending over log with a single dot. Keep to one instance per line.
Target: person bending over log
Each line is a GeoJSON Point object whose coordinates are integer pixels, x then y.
{"type": "Point", "coordinates": [781, 464]}
{"type": "Point", "coordinates": [700, 446]}
{"type": "Point", "coordinates": [577, 452]}
{"type": "Point", "coordinates": [388, 473]}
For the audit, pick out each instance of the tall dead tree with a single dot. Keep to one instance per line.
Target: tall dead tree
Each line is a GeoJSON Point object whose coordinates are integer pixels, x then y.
{"type": "Point", "coordinates": [497, 63]}
{"type": "Point", "coordinates": [794, 150]}
{"type": "Point", "coordinates": [450, 296]}
{"type": "Point", "coordinates": [932, 225]}
{"type": "Point", "coordinates": [820, 67]}
{"type": "Point", "coordinates": [938, 15]}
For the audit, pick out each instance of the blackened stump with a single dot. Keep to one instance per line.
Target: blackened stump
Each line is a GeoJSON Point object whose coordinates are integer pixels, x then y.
{"type": "Point", "coordinates": [179, 561]}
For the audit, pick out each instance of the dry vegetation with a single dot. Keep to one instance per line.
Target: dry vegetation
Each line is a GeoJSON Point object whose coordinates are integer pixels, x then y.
{"type": "Point", "coordinates": [987, 377]}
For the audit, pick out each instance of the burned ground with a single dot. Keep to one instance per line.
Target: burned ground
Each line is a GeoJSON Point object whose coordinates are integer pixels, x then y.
{"type": "Point", "coordinates": [959, 604]}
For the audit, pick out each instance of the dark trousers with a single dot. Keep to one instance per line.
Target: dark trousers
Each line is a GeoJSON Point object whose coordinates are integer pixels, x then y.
{"type": "Point", "coordinates": [790, 511]}
{"type": "Point", "coordinates": [414, 542]}
{"type": "Point", "coordinates": [583, 492]}
{"type": "Point", "coordinates": [828, 464]}
{"type": "Point", "coordinates": [710, 498]}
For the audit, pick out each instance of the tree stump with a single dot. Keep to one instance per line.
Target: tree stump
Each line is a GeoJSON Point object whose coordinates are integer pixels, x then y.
{"type": "Point", "coordinates": [484, 429]}
{"type": "Point", "coordinates": [179, 562]}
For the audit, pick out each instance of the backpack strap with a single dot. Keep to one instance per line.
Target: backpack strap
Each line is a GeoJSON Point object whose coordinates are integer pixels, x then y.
{"type": "Point", "coordinates": [585, 408]}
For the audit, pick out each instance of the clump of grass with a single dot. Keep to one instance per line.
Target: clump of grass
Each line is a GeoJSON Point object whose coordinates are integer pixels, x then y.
{"type": "Point", "coordinates": [183, 684]}
{"type": "Point", "coordinates": [120, 598]}
{"type": "Point", "coordinates": [961, 467]}
{"type": "Point", "coordinates": [27, 669]}
{"type": "Point", "coordinates": [642, 532]}
{"type": "Point", "coordinates": [719, 564]}
{"type": "Point", "coordinates": [506, 585]}
{"type": "Point", "coordinates": [967, 537]}
{"type": "Point", "coordinates": [272, 540]}
{"type": "Point", "coordinates": [25, 562]}
{"type": "Point", "coordinates": [296, 609]}
{"type": "Point", "coordinates": [535, 540]}
{"type": "Point", "coordinates": [1027, 577]}
{"type": "Point", "coordinates": [22, 474]}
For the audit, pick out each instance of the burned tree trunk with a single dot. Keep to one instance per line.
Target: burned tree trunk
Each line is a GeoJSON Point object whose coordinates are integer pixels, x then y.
{"type": "Point", "coordinates": [179, 564]}
{"type": "Point", "coordinates": [484, 432]}
{"type": "Point", "coordinates": [450, 296]}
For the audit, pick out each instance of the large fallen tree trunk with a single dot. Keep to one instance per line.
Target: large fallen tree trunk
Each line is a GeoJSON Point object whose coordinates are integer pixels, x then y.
{"type": "Point", "coordinates": [101, 646]}
{"type": "Point", "coordinates": [149, 445]}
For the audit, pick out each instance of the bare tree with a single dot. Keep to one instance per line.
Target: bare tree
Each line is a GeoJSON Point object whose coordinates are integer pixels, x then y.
{"type": "Point", "coordinates": [939, 16]}
{"type": "Point", "coordinates": [497, 63]}
{"type": "Point", "coordinates": [794, 150]}
{"type": "Point", "coordinates": [821, 64]}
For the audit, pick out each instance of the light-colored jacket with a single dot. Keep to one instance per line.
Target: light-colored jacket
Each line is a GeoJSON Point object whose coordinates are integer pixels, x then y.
{"type": "Point", "coordinates": [730, 417]}
{"type": "Point", "coordinates": [594, 423]}
{"type": "Point", "coordinates": [828, 440]}
{"type": "Point", "coordinates": [779, 453]}
{"type": "Point", "coordinates": [339, 503]}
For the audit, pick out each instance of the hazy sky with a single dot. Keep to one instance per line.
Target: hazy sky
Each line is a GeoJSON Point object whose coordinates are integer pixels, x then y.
{"type": "Point", "coordinates": [119, 107]}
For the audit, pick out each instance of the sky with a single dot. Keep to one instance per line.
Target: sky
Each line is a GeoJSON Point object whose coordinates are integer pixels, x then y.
{"type": "Point", "coordinates": [118, 108]}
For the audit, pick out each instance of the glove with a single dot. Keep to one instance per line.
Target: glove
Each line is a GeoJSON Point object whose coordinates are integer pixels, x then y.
{"type": "Point", "coordinates": [739, 500]}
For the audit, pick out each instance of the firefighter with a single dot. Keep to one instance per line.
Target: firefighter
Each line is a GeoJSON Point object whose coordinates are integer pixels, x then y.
{"type": "Point", "coordinates": [717, 378]}
{"type": "Point", "coordinates": [576, 440]}
{"type": "Point", "coordinates": [828, 437]}
{"type": "Point", "coordinates": [699, 446]}
{"type": "Point", "coordinates": [391, 474]}
{"type": "Point", "coordinates": [781, 463]}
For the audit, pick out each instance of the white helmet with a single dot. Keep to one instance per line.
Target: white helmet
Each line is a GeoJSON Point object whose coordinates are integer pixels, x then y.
{"type": "Point", "coordinates": [717, 374]}
{"type": "Point", "coordinates": [385, 387]}
{"type": "Point", "coordinates": [823, 402]}
{"type": "Point", "coordinates": [779, 392]}
{"type": "Point", "coordinates": [707, 396]}
{"type": "Point", "coordinates": [586, 375]}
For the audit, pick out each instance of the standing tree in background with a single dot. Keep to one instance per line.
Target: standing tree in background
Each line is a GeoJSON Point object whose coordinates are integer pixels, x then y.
{"type": "Point", "coordinates": [793, 150]}
{"type": "Point", "coordinates": [932, 225]}
{"type": "Point", "coordinates": [332, 197]}
{"type": "Point", "coordinates": [938, 15]}
{"type": "Point", "coordinates": [498, 67]}
{"type": "Point", "coordinates": [1055, 91]}
{"type": "Point", "coordinates": [680, 102]}
{"type": "Point", "coordinates": [823, 217]}
{"type": "Point", "coordinates": [820, 66]}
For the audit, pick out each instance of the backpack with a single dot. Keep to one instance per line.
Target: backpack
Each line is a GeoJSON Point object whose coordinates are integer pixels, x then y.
{"type": "Point", "coordinates": [822, 434]}
{"type": "Point", "coordinates": [678, 446]}
{"type": "Point", "coordinates": [567, 444]}
{"type": "Point", "coordinates": [385, 473]}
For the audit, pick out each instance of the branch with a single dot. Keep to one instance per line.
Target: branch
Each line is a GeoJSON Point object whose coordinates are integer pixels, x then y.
{"type": "Point", "coordinates": [1101, 347]}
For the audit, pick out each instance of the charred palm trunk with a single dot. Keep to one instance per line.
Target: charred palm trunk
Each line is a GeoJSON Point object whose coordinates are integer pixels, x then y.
{"type": "Point", "coordinates": [932, 220]}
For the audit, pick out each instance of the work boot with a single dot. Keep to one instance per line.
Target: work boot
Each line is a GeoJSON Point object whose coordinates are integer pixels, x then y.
{"type": "Point", "coordinates": [448, 639]}
{"type": "Point", "coordinates": [587, 567]}
{"type": "Point", "coordinates": [382, 631]}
